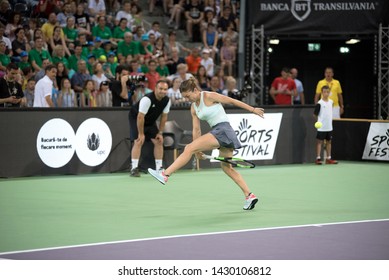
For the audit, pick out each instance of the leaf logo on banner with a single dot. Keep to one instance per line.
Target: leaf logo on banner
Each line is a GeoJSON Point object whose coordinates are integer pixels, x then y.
{"type": "Point", "coordinates": [244, 125]}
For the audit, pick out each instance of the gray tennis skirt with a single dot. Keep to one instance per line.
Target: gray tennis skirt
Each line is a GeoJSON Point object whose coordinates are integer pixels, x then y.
{"type": "Point", "coordinates": [225, 135]}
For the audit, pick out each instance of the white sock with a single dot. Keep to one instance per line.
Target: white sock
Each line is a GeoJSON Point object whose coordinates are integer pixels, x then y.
{"type": "Point", "coordinates": [134, 163]}
{"type": "Point", "coordinates": [158, 164]}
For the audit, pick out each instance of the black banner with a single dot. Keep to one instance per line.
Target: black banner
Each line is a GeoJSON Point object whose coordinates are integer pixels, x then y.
{"type": "Point", "coordinates": [317, 16]}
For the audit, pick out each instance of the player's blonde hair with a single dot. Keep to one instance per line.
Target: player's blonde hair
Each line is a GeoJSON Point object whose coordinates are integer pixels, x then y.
{"type": "Point", "coordinates": [189, 85]}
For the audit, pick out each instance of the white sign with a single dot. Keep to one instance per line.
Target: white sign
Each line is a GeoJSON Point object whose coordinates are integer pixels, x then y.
{"type": "Point", "coordinates": [55, 143]}
{"type": "Point", "coordinates": [257, 136]}
{"type": "Point", "coordinates": [94, 142]}
{"type": "Point", "coordinates": [377, 142]}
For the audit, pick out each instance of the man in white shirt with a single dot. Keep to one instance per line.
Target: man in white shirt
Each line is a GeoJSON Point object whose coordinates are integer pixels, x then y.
{"type": "Point", "coordinates": [44, 88]}
{"type": "Point", "coordinates": [125, 13]}
{"type": "Point", "coordinates": [96, 8]}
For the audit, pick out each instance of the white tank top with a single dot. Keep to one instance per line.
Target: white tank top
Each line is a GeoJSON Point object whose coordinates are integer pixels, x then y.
{"type": "Point", "coordinates": [212, 114]}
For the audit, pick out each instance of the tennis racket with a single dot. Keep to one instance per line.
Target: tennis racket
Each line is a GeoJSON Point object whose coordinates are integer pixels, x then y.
{"type": "Point", "coordinates": [236, 162]}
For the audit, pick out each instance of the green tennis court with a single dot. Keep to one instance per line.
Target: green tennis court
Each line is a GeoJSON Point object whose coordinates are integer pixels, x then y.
{"type": "Point", "coordinates": [45, 212]}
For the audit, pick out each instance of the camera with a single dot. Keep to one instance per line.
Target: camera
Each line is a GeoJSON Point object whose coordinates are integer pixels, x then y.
{"type": "Point", "coordinates": [247, 88]}
{"type": "Point", "coordinates": [134, 82]}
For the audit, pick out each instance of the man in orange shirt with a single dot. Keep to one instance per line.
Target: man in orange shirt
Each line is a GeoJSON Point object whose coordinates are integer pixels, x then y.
{"type": "Point", "coordinates": [152, 76]}
{"type": "Point", "coordinates": [283, 89]}
{"type": "Point", "coordinates": [193, 61]}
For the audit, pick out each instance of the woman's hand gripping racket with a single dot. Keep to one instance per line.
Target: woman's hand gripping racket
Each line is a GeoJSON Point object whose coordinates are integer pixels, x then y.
{"type": "Point", "coordinates": [236, 162]}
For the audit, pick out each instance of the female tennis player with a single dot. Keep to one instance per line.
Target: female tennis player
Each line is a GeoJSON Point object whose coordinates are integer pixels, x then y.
{"type": "Point", "coordinates": [207, 106]}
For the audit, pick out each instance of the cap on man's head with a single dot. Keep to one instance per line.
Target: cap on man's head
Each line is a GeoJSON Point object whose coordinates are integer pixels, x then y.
{"type": "Point", "coordinates": [206, 51]}
{"type": "Point", "coordinates": [111, 54]}
{"type": "Point", "coordinates": [23, 53]}
{"type": "Point", "coordinates": [98, 39]}
{"type": "Point", "coordinates": [145, 37]}
{"type": "Point", "coordinates": [91, 55]}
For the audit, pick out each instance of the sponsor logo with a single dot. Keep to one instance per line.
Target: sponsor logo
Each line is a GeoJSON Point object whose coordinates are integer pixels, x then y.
{"type": "Point", "coordinates": [301, 9]}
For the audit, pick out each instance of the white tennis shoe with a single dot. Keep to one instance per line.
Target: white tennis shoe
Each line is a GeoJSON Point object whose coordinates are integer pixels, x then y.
{"type": "Point", "coordinates": [250, 202]}
{"type": "Point", "coordinates": [159, 175]}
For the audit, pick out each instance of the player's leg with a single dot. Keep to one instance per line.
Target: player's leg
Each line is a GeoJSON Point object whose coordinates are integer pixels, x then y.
{"type": "Point", "coordinates": [329, 159]}
{"type": "Point", "coordinates": [158, 152]}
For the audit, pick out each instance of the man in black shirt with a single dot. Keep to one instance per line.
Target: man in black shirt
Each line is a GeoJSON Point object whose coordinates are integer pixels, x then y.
{"type": "Point", "coordinates": [120, 94]}
{"type": "Point", "coordinates": [11, 93]}
{"type": "Point", "coordinates": [143, 126]}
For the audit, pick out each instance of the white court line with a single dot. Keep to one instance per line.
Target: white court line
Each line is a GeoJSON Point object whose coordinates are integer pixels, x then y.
{"type": "Point", "coordinates": [189, 235]}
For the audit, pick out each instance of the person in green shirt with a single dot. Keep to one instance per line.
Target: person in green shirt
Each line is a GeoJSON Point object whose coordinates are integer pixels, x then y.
{"type": "Point", "coordinates": [70, 31]}
{"type": "Point", "coordinates": [4, 59]}
{"type": "Point", "coordinates": [120, 30]}
{"type": "Point", "coordinates": [37, 54]}
{"type": "Point", "coordinates": [98, 50]}
{"type": "Point", "coordinates": [127, 47]}
{"type": "Point", "coordinates": [112, 62]}
{"type": "Point", "coordinates": [24, 63]}
{"type": "Point", "coordinates": [102, 30]}
{"type": "Point", "coordinates": [73, 59]}
{"type": "Point", "coordinates": [162, 69]}
{"type": "Point", "coordinates": [145, 47]}
{"type": "Point", "coordinates": [59, 55]}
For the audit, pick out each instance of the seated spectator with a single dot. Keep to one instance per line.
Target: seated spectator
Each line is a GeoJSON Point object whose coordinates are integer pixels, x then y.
{"type": "Point", "coordinates": [111, 65]}
{"type": "Point", "coordinates": [193, 61]}
{"type": "Point", "coordinates": [14, 23]}
{"type": "Point", "coordinates": [79, 78]}
{"type": "Point", "coordinates": [202, 78]}
{"type": "Point", "coordinates": [98, 74]}
{"type": "Point", "coordinates": [232, 34]}
{"type": "Point", "coordinates": [145, 48]}
{"type": "Point", "coordinates": [3, 38]}
{"type": "Point", "coordinates": [58, 38]}
{"type": "Point", "coordinates": [5, 12]}
{"type": "Point", "coordinates": [4, 58]}
{"type": "Point", "coordinates": [101, 29]}
{"type": "Point", "coordinates": [127, 47]}
{"type": "Point", "coordinates": [140, 91]}
{"type": "Point", "coordinates": [76, 57]}
{"type": "Point", "coordinates": [173, 60]}
{"type": "Point", "coordinates": [138, 32]}
{"type": "Point", "coordinates": [71, 33]}
{"type": "Point", "coordinates": [24, 61]}
{"type": "Point", "coordinates": [82, 20]}
{"type": "Point", "coordinates": [120, 30]}
{"type": "Point", "coordinates": [20, 44]}
{"type": "Point", "coordinates": [182, 73]}
{"type": "Point", "coordinates": [96, 8]}
{"type": "Point", "coordinates": [209, 18]}
{"type": "Point", "coordinates": [48, 27]}
{"type": "Point", "coordinates": [214, 85]}
{"type": "Point", "coordinates": [173, 44]}
{"type": "Point", "coordinates": [174, 93]}
{"type": "Point", "coordinates": [42, 72]}
{"type": "Point", "coordinates": [59, 56]}
{"type": "Point", "coordinates": [210, 40]}
{"type": "Point", "coordinates": [194, 14]}
{"type": "Point", "coordinates": [62, 73]}
{"type": "Point", "coordinates": [11, 93]}
{"type": "Point", "coordinates": [67, 95]}
{"type": "Point", "coordinates": [152, 75]}
{"type": "Point", "coordinates": [125, 13]}
{"type": "Point", "coordinates": [89, 94]}
{"type": "Point", "coordinates": [225, 19]}
{"type": "Point", "coordinates": [38, 54]}
{"type": "Point", "coordinates": [155, 29]}
{"type": "Point", "coordinates": [162, 69]}
{"type": "Point", "coordinates": [65, 14]}
{"type": "Point", "coordinates": [228, 56]}
{"type": "Point", "coordinates": [231, 90]}
{"type": "Point", "coordinates": [160, 49]}
{"type": "Point", "coordinates": [104, 96]}
{"type": "Point", "coordinates": [136, 12]}
{"type": "Point", "coordinates": [176, 13]}
{"type": "Point", "coordinates": [207, 62]}
{"type": "Point", "coordinates": [46, 7]}
{"type": "Point", "coordinates": [29, 92]}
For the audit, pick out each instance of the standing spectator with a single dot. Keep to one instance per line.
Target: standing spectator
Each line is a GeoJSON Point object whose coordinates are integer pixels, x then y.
{"type": "Point", "coordinates": [193, 61]}
{"type": "Point", "coordinates": [11, 93]}
{"type": "Point", "coordinates": [299, 99]}
{"type": "Point", "coordinates": [104, 97]}
{"type": "Point", "coordinates": [143, 126]}
{"type": "Point", "coordinates": [44, 88]}
{"type": "Point", "coordinates": [66, 95]}
{"type": "Point", "coordinates": [228, 56]}
{"type": "Point", "coordinates": [208, 63]}
{"type": "Point", "coordinates": [38, 54]}
{"type": "Point", "coordinates": [194, 14]}
{"type": "Point", "coordinates": [42, 72]}
{"type": "Point", "coordinates": [323, 113]}
{"type": "Point", "coordinates": [283, 89]}
{"type": "Point", "coordinates": [335, 92]}
{"type": "Point", "coordinates": [29, 92]}
{"type": "Point", "coordinates": [152, 75]}
{"type": "Point", "coordinates": [79, 78]}
{"type": "Point", "coordinates": [176, 13]}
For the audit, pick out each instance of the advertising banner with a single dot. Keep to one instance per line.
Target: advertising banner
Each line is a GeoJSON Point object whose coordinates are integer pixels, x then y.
{"type": "Point", "coordinates": [258, 136]}
{"type": "Point", "coordinates": [377, 142]}
{"type": "Point", "coordinates": [317, 16]}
